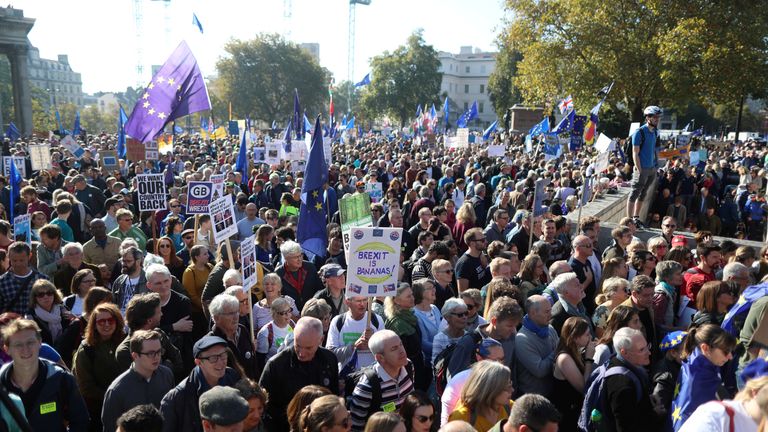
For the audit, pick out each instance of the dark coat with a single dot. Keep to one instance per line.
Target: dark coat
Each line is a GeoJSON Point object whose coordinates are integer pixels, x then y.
{"type": "Point", "coordinates": [180, 407]}
{"type": "Point", "coordinates": [627, 413]}
{"type": "Point", "coordinates": [312, 284]}
{"type": "Point", "coordinates": [284, 375]}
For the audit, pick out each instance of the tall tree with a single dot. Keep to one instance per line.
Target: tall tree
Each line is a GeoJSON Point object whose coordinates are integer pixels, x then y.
{"type": "Point", "coordinates": [501, 88]}
{"type": "Point", "coordinates": [403, 79]}
{"type": "Point", "coordinates": [657, 51]}
{"type": "Point", "coordinates": [258, 76]}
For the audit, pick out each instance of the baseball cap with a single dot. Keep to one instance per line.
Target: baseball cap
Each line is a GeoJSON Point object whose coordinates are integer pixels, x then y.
{"type": "Point", "coordinates": [206, 342]}
{"type": "Point", "coordinates": [679, 240]}
{"type": "Point", "coordinates": [223, 406]}
{"type": "Point", "coordinates": [330, 270]}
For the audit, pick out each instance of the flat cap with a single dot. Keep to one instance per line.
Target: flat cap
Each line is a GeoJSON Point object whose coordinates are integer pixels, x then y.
{"type": "Point", "coordinates": [223, 406]}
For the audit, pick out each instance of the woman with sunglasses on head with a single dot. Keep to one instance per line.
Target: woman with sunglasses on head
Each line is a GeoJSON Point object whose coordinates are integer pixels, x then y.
{"type": "Point", "coordinates": [642, 262]}
{"type": "Point", "coordinates": [95, 366]}
{"type": "Point", "coordinates": [418, 412]}
{"type": "Point", "coordinates": [442, 279]}
{"type": "Point", "coordinates": [454, 312]}
{"type": "Point", "coordinates": [165, 248]}
{"type": "Point", "coordinates": [707, 349]}
{"type": "Point", "coordinates": [46, 308]}
{"type": "Point", "coordinates": [615, 290]}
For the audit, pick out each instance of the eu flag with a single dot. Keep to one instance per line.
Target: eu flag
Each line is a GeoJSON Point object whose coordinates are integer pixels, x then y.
{"type": "Point", "coordinates": [351, 123]}
{"type": "Point", "coordinates": [688, 398]}
{"type": "Point", "coordinates": [58, 124]}
{"type": "Point", "coordinates": [491, 129]}
{"type": "Point", "coordinates": [122, 119]}
{"type": "Point", "coordinates": [15, 180]}
{"type": "Point", "coordinates": [178, 89]}
{"type": "Point", "coordinates": [12, 132]}
{"type": "Point", "coordinates": [539, 128]}
{"type": "Point", "coordinates": [742, 306]}
{"type": "Point", "coordinates": [468, 116]}
{"type": "Point", "coordinates": [577, 133]}
{"type": "Point", "coordinates": [365, 81]}
{"type": "Point", "coordinates": [566, 124]}
{"type": "Point", "coordinates": [446, 112]}
{"type": "Point", "coordinates": [196, 22]}
{"type": "Point", "coordinates": [241, 165]}
{"type": "Point", "coordinates": [311, 232]}
{"type": "Point", "coordinates": [76, 128]}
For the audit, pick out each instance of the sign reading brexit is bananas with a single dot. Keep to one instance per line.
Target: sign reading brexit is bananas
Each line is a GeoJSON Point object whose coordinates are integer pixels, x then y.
{"type": "Point", "coordinates": [374, 261]}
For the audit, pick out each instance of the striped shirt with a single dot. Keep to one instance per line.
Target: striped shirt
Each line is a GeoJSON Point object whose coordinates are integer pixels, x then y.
{"type": "Point", "coordinates": [393, 393]}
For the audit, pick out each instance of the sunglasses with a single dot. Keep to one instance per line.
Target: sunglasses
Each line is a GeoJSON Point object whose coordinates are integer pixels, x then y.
{"type": "Point", "coordinates": [424, 419]}
{"type": "Point", "coordinates": [105, 321]}
{"type": "Point", "coordinates": [459, 314]}
{"type": "Point", "coordinates": [189, 237]}
{"type": "Point", "coordinates": [44, 294]}
{"type": "Point", "coordinates": [164, 246]}
{"type": "Point", "coordinates": [285, 312]}
{"type": "Point", "coordinates": [470, 306]}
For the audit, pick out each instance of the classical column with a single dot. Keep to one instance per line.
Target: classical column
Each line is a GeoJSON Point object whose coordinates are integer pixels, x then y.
{"type": "Point", "coordinates": [22, 95]}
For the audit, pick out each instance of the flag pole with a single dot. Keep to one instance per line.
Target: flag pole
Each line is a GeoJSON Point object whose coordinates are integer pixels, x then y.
{"type": "Point", "coordinates": [533, 212]}
{"type": "Point", "coordinates": [581, 200]}
{"type": "Point", "coordinates": [194, 235]}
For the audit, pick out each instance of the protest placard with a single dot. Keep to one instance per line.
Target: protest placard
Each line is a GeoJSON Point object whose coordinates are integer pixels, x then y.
{"type": "Point", "coordinates": [604, 143]}
{"type": "Point", "coordinates": [272, 156]}
{"type": "Point", "coordinates": [22, 228]}
{"type": "Point", "coordinates": [21, 165]}
{"type": "Point", "coordinates": [109, 160]}
{"type": "Point", "coordinates": [70, 144]}
{"type": "Point", "coordinates": [259, 155]}
{"type": "Point", "coordinates": [40, 156]}
{"type": "Point", "coordinates": [218, 186]}
{"type": "Point", "coordinates": [375, 191]}
{"type": "Point", "coordinates": [298, 166]}
{"type": "Point", "coordinates": [151, 152]}
{"type": "Point", "coordinates": [355, 211]}
{"type": "Point", "coordinates": [633, 127]}
{"type": "Point", "coordinates": [248, 262]}
{"type": "Point", "coordinates": [151, 189]}
{"type": "Point", "coordinates": [223, 219]}
{"type": "Point", "coordinates": [374, 261]}
{"type": "Point", "coordinates": [327, 152]}
{"type": "Point", "coordinates": [199, 196]}
{"type": "Point", "coordinates": [462, 137]}
{"type": "Point", "coordinates": [496, 150]}
{"type": "Point", "coordinates": [134, 150]}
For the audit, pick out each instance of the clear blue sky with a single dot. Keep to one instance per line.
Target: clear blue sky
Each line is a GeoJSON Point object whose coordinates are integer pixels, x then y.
{"type": "Point", "coordinates": [100, 35]}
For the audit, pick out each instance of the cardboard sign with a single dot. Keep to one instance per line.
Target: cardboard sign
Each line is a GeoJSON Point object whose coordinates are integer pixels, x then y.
{"type": "Point", "coordinates": [272, 150]}
{"type": "Point", "coordinates": [22, 228]}
{"type": "Point", "coordinates": [259, 155]}
{"type": "Point", "coordinates": [40, 156]}
{"type": "Point", "coordinates": [151, 189]}
{"type": "Point", "coordinates": [604, 143]}
{"type": "Point", "coordinates": [462, 137]}
{"type": "Point", "coordinates": [633, 127]}
{"type": "Point", "coordinates": [223, 219]}
{"type": "Point", "coordinates": [70, 144]}
{"type": "Point", "coordinates": [248, 262]}
{"type": "Point", "coordinates": [375, 191]}
{"type": "Point", "coordinates": [151, 152]}
{"type": "Point", "coordinates": [134, 150]}
{"type": "Point", "coordinates": [21, 165]}
{"type": "Point", "coordinates": [199, 195]}
{"type": "Point", "coordinates": [218, 186]}
{"type": "Point", "coordinates": [109, 160]}
{"type": "Point", "coordinates": [374, 261]}
{"type": "Point", "coordinates": [496, 150]}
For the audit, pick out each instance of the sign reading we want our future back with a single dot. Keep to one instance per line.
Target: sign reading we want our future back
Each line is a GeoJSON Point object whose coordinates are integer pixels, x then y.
{"type": "Point", "coordinates": [374, 261]}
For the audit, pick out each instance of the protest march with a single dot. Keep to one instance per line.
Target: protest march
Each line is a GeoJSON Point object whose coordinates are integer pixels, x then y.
{"type": "Point", "coordinates": [339, 276]}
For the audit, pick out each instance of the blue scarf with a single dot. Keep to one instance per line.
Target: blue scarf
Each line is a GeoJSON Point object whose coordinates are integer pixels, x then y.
{"type": "Point", "coordinates": [542, 332]}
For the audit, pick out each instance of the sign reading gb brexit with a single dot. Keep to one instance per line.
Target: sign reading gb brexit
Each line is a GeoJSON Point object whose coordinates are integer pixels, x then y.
{"type": "Point", "coordinates": [199, 195]}
{"type": "Point", "coordinates": [374, 261]}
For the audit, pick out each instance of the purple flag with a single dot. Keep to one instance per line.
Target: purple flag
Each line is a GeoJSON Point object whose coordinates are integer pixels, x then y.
{"type": "Point", "coordinates": [178, 89]}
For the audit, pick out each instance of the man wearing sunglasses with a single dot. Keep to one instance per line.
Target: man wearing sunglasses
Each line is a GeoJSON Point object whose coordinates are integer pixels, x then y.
{"type": "Point", "coordinates": [146, 381]}
{"type": "Point", "coordinates": [179, 406]}
{"type": "Point", "coordinates": [471, 268]}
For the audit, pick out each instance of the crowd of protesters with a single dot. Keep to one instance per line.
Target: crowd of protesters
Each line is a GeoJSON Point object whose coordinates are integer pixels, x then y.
{"type": "Point", "coordinates": [505, 319]}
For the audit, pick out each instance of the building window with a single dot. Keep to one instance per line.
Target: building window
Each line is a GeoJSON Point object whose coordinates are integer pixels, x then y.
{"type": "Point", "coordinates": [466, 106]}
{"type": "Point", "coordinates": [482, 88]}
{"type": "Point", "coordinates": [480, 107]}
{"type": "Point", "coordinates": [466, 69]}
{"type": "Point", "coordinates": [482, 69]}
{"type": "Point", "coordinates": [466, 88]}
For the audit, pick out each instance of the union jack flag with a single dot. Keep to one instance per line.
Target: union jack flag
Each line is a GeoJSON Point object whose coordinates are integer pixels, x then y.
{"type": "Point", "coordinates": [565, 104]}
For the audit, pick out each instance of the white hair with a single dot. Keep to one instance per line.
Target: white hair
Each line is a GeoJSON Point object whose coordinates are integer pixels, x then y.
{"type": "Point", "coordinates": [379, 339]}
{"type": "Point", "coordinates": [562, 280]}
{"type": "Point", "coordinates": [622, 339]}
{"type": "Point", "coordinates": [153, 269]}
{"type": "Point", "coordinates": [232, 275]}
{"type": "Point", "coordinates": [308, 323]}
{"type": "Point", "coordinates": [233, 290]}
{"type": "Point", "coordinates": [72, 245]}
{"type": "Point", "coordinates": [290, 247]}
{"type": "Point", "coordinates": [734, 269]}
{"type": "Point", "coordinates": [450, 305]}
{"type": "Point", "coordinates": [221, 302]}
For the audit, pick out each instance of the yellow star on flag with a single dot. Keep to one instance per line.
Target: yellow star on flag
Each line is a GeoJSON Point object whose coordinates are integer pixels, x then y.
{"type": "Point", "coordinates": [151, 111]}
{"type": "Point", "coordinates": [318, 206]}
{"type": "Point", "coordinates": [145, 104]}
{"type": "Point", "coordinates": [161, 115]}
{"type": "Point", "coordinates": [160, 80]}
{"type": "Point", "coordinates": [676, 414]}
{"type": "Point", "coordinates": [151, 86]}
{"type": "Point", "coordinates": [145, 96]}
{"type": "Point", "coordinates": [742, 300]}
{"type": "Point", "coordinates": [314, 194]}
{"type": "Point", "coordinates": [171, 81]}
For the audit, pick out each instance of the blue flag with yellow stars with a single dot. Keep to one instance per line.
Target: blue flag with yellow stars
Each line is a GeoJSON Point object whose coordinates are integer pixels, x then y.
{"type": "Point", "coordinates": [697, 384]}
{"type": "Point", "coordinates": [178, 89]}
{"type": "Point", "coordinates": [311, 232]}
{"type": "Point", "coordinates": [742, 306]}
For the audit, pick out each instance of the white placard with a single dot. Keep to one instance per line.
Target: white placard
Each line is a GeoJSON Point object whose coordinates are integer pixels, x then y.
{"type": "Point", "coordinates": [450, 142]}
{"type": "Point", "coordinates": [272, 153]}
{"type": "Point", "coordinates": [109, 160]}
{"type": "Point", "coordinates": [70, 144]}
{"type": "Point", "coordinates": [218, 186]}
{"type": "Point", "coordinates": [223, 219]}
{"type": "Point", "coordinates": [375, 191]}
{"type": "Point", "coordinates": [462, 137]}
{"type": "Point", "coordinates": [633, 127]}
{"type": "Point", "coordinates": [327, 151]}
{"type": "Point", "coordinates": [298, 165]}
{"type": "Point", "coordinates": [40, 156]}
{"type": "Point", "coordinates": [151, 152]}
{"type": "Point", "coordinates": [603, 143]}
{"type": "Point", "coordinates": [248, 262]}
{"type": "Point", "coordinates": [21, 165]}
{"type": "Point", "coordinates": [151, 189]}
{"type": "Point", "coordinates": [496, 150]}
{"type": "Point", "coordinates": [374, 261]}
{"type": "Point", "coordinates": [22, 228]}
{"type": "Point", "coordinates": [602, 162]}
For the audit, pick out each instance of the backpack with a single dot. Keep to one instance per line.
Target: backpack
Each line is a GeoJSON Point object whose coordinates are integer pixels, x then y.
{"type": "Point", "coordinates": [343, 318]}
{"type": "Point", "coordinates": [352, 379]}
{"type": "Point", "coordinates": [444, 359]}
{"type": "Point", "coordinates": [271, 333]}
{"type": "Point", "coordinates": [595, 410]}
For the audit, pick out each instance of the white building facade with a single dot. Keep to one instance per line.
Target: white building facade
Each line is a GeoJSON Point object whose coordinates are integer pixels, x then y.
{"type": "Point", "coordinates": [56, 77]}
{"type": "Point", "coordinates": [465, 79]}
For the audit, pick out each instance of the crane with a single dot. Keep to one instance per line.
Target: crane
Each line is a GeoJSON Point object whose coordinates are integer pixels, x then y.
{"type": "Point", "coordinates": [351, 47]}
